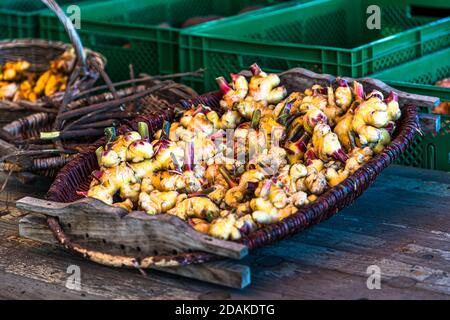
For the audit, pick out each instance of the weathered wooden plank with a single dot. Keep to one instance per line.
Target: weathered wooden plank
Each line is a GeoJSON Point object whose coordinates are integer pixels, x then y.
{"type": "Point", "coordinates": [13, 287]}
{"type": "Point", "coordinates": [90, 220]}
{"type": "Point", "coordinates": [226, 273]}
{"type": "Point", "coordinates": [274, 278]}
{"type": "Point", "coordinates": [48, 264]}
{"type": "Point", "coordinates": [357, 264]}
{"type": "Point", "coordinates": [371, 228]}
{"type": "Point", "coordinates": [430, 123]}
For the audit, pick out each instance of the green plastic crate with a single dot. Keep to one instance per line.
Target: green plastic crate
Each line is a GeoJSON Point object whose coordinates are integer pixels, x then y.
{"type": "Point", "coordinates": [132, 31]}
{"type": "Point", "coordinates": [20, 18]}
{"type": "Point", "coordinates": [418, 76]}
{"type": "Point", "coordinates": [326, 36]}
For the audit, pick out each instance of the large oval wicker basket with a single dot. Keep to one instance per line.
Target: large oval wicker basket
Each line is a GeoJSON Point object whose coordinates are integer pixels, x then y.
{"type": "Point", "coordinates": [76, 177]}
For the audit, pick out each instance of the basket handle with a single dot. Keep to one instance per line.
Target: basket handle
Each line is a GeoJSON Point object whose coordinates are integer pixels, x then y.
{"type": "Point", "coordinates": [71, 31]}
{"type": "Point", "coordinates": [82, 62]}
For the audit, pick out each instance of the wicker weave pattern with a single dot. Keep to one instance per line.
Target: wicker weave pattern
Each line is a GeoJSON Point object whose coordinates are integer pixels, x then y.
{"type": "Point", "coordinates": [75, 176]}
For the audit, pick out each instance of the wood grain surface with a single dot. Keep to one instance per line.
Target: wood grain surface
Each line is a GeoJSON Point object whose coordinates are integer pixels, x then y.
{"type": "Point", "coordinates": [401, 224]}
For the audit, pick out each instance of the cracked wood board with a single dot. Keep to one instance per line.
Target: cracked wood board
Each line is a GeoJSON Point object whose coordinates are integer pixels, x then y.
{"type": "Point", "coordinates": [226, 272]}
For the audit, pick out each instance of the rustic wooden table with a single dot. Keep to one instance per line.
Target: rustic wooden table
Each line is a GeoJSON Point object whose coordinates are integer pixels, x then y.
{"type": "Point", "coordinates": [401, 224]}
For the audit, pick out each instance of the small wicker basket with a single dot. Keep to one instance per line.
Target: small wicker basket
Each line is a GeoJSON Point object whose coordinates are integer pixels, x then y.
{"type": "Point", "coordinates": [40, 52]}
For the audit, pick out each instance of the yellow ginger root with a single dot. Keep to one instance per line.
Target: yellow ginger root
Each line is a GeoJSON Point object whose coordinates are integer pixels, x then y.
{"type": "Point", "coordinates": [130, 191]}
{"type": "Point", "coordinates": [265, 213]}
{"type": "Point", "coordinates": [200, 225]}
{"type": "Point", "coordinates": [247, 107]}
{"type": "Point", "coordinates": [127, 205]}
{"type": "Point", "coordinates": [120, 145]}
{"type": "Point", "coordinates": [237, 192]}
{"type": "Point", "coordinates": [139, 151]}
{"type": "Point", "coordinates": [53, 84]}
{"type": "Point", "coordinates": [343, 95]}
{"type": "Point", "coordinates": [368, 117]}
{"type": "Point", "coordinates": [199, 207]}
{"type": "Point", "coordinates": [111, 180]}
{"type": "Point", "coordinates": [13, 71]}
{"type": "Point", "coordinates": [265, 87]}
{"type": "Point", "coordinates": [116, 148]}
{"type": "Point", "coordinates": [158, 202]}
{"type": "Point", "coordinates": [326, 144]}
{"type": "Point", "coordinates": [8, 90]}
{"type": "Point", "coordinates": [235, 196]}
{"type": "Point", "coordinates": [167, 181]}
{"type": "Point", "coordinates": [344, 131]}
{"type": "Point", "coordinates": [229, 119]}
{"type": "Point", "coordinates": [357, 158]}
{"type": "Point", "coordinates": [198, 124]}
{"type": "Point", "coordinates": [218, 195]}
{"type": "Point", "coordinates": [278, 196]}
{"type": "Point", "coordinates": [293, 101]}
{"type": "Point", "coordinates": [290, 174]}
{"type": "Point", "coordinates": [313, 117]}
{"type": "Point", "coordinates": [53, 80]}
{"type": "Point", "coordinates": [107, 158]}
{"type": "Point", "coordinates": [102, 192]}
{"type": "Point", "coordinates": [233, 94]}
{"type": "Point", "coordinates": [142, 169]}
{"type": "Point", "coordinates": [334, 177]}
{"type": "Point", "coordinates": [315, 181]}
{"type": "Point", "coordinates": [385, 139]}
{"type": "Point", "coordinates": [224, 228]}
{"type": "Point", "coordinates": [42, 82]}
{"type": "Point", "coordinates": [271, 159]}
{"type": "Point", "coordinates": [147, 185]}
{"type": "Point", "coordinates": [245, 224]}
{"type": "Point", "coordinates": [216, 179]}
{"type": "Point", "coordinates": [299, 198]}
{"type": "Point", "coordinates": [332, 110]}
{"type": "Point", "coordinates": [25, 91]}
{"type": "Point", "coordinates": [393, 108]}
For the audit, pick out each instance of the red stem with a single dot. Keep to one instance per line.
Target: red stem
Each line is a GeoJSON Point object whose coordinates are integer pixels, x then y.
{"type": "Point", "coordinates": [310, 156]}
{"type": "Point", "coordinates": [393, 96]}
{"type": "Point", "coordinates": [340, 155]}
{"type": "Point", "coordinates": [189, 156]}
{"type": "Point", "coordinates": [342, 83]}
{"type": "Point", "coordinates": [223, 85]}
{"type": "Point", "coordinates": [234, 76]}
{"type": "Point", "coordinates": [255, 69]}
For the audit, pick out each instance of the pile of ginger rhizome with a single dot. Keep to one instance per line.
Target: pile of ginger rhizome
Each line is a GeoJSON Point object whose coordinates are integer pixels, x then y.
{"type": "Point", "coordinates": [295, 147]}
{"type": "Point", "coordinates": [19, 83]}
